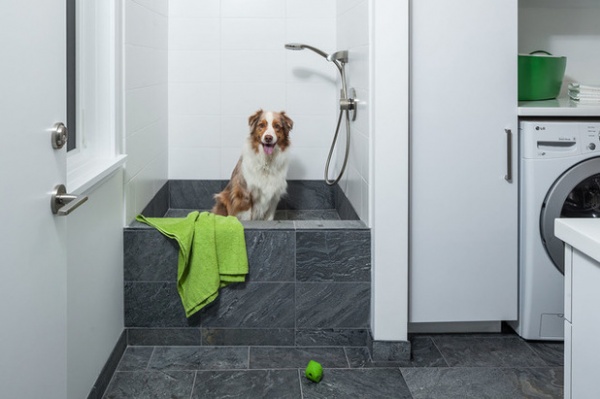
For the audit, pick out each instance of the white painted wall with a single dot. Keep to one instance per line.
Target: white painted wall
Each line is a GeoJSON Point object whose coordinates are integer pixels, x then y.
{"type": "Point", "coordinates": [353, 35]}
{"type": "Point", "coordinates": [226, 60]}
{"type": "Point", "coordinates": [94, 284]}
{"type": "Point", "coordinates": [389, 168]}
{"type": "Point", "coordinates": [146, 101]}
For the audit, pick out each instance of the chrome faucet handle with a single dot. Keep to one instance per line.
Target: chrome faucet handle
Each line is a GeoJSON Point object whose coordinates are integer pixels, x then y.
{"type": "Point", "coordinates": [349, 104]}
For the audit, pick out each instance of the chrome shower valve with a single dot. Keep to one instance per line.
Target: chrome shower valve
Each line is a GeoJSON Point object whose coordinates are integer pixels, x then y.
{"type": "Point", "coordinates": [349, 103]}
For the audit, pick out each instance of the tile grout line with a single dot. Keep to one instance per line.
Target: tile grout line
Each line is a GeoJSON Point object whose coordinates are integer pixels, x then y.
{"type": "Point", "coordinates": [347, 358]}
{"type": "Point", "coordinates": [295, 288]}
{"type": "Point", "coordinates": [439, 350]}
{"type": "Point", "coordinates": [300, 383]}
{"type": "Point", "coordinates": [248, 358]}
{"type": "Point", "coordinates": [147, 368]}
{"type": "Point", "coordinates": [194, 384]}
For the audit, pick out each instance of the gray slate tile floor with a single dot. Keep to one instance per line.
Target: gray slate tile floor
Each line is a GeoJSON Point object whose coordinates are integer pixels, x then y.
{"type": "Point", "coordinates": [444, 366]}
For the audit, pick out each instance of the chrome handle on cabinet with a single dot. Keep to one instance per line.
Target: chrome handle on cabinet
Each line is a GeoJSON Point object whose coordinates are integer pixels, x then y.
{"type": "Point", "coordinates": [62, 203]}
{"type": "Point", "coordinates": [508, 176]}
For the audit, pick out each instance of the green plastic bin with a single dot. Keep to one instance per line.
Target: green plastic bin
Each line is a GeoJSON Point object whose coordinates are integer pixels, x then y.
{"type": "Point", "coordinates": [540, 75]}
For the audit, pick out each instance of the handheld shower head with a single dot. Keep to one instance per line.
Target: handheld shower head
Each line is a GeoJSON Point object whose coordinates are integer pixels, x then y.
{"type": "Point", "coordinates": [294, 46]}
{"type": "Point", "coordinates": [300, 46]}
{"type": "Point", "coordinates": [347, 104]}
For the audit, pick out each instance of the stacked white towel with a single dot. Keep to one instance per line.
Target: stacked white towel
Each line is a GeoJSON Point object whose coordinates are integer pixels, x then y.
{"type": "Point", "coordinates": [581, 93]}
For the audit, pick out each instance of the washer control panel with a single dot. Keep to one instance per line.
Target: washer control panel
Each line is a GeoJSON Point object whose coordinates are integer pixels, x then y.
{"type": "Point", "coordinates": [558, 139]}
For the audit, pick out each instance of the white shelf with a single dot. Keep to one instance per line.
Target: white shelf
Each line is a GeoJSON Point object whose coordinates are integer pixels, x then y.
{"type": "Point", "coordinates": [560, 107]}
{"type": "Point", "coordinates": [558, 3]}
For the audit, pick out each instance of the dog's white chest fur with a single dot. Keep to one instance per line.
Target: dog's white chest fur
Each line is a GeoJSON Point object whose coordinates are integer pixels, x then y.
{"type": "Point", "coordinates": [265, 177]}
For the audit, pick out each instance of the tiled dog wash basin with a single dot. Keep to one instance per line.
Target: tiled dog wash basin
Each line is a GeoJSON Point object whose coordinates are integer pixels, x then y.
{"type": "Point", "coordinates": [308, 282]}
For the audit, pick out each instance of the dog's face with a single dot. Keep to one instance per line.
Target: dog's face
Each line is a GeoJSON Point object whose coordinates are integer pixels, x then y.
{"type": "Point", "coordinates": [270, 130]}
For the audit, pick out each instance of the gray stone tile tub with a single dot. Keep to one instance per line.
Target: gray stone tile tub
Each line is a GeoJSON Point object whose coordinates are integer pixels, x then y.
{"type": "Point", "coordinates": [309, 279]}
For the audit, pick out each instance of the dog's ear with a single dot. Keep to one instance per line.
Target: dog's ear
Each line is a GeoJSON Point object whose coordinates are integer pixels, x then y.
{"type": "Point", "coordinates": [287, 122]}
{"type": "Point", "coordinates": [253, 119]}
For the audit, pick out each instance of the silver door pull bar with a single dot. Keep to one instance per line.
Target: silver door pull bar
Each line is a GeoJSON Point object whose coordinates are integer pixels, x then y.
{"type": "Point", "coordinates": [508, 176]}
{"type": "Point", "coordinates": [62, 203]}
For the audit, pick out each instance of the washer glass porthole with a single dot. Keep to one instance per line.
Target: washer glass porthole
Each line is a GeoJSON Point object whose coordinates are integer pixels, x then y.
{"type": "Point", "coordinates": [584, 200]}
{"type": "Point", "coordinates": [575, 194]}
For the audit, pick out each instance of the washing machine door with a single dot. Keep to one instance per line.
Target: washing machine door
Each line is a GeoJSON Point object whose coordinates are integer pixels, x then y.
{"type": "Point", "coordinates": [575, 194]}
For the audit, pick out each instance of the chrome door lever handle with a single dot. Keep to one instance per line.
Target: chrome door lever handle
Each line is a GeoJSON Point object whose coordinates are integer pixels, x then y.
{"type": "Point", "coordinates": [62, 203]}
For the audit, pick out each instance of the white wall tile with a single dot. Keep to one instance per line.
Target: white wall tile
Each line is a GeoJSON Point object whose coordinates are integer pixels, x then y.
{"type": "Point", "coordinates": [195, 8]}
{"type": "Point", "coordinates": [307, 163]}
{"type": "Point", "coordinates": [144, 106]}
{"type": "Point", "coordinates": [312, 99]}
{"type": "Point", "coordinates": [344, 6]}
{"type": "Point", "coordinates": [194, 66]}
{"type": "Point", "coordinates": [357, 69]}
{"type": "Point", "coordinates": [194, 34]}
{"type": "Point", "coordinates": [253, 9]}
{"type": "Point", "coordinates": [253, 71]}
{"type": "Point", "coordinates": [193, 131]}
{"type": "Point", "coordinates": [253, 65]}
{"type": "Point", "coordinates": [195, 163]}
{"type": "Point", "coordinates": [229, 158]}
{"type": "Point", "coordinates": [234, 130]}
{"type": "Point", "coordinates": [353, 26]}
{"type": "Point", "coordinates": [312, 130]}
{"type": "Point", "coordinates": [144, 26]}
{"type": "Point", "coordinates": [353, 35]}
{"type": "Point", "coordinates": [194, 98]}
{"type": "Point", "coordinates": [361, 123]}
{"type": "Point", "coordinates": [252, 33]}
{"type": "Point", "coordinates": [147, 146]}
{"type": "Point", "coordinates": [311, 9]}
{"type": "Point", "coordinates": [317, 31]}
{"type": "Point", "coordinates": [148, 182]}
{"type": "Point", "coordinates": [146, 101]}
{"type": "Point", "coordinates": [243, 99]}
{"type": "Point", "coordinates": [308, 67]}
{"type": "Point", "coordinates": [137, 72]}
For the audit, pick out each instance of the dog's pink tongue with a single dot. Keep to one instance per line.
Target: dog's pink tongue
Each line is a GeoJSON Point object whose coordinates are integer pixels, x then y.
{"type": "Point", "coordinates": [268, 149]}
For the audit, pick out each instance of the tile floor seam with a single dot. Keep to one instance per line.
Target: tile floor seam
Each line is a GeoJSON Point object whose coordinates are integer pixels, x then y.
{"type": "Point", "coordinates": [295, 240]}
{"type": "Point", "coordinates": [440, 351]}
{"type": "Point", "coordinates": [347, 358]}
{"type": "Point", "coordinates": [300, 383]}
{"type": "Point", "coordinates": [193, 385]}
{"type": "Point", "coordinates": [150, 358]}
{"type": "Point", "coordinates": [112, 377]}
{"type": "Point", "coordinates": [535, 353]}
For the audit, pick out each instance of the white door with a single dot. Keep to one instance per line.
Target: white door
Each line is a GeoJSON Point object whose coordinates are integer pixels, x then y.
{"type": "Point", "coordinates": [33, 248]}
{"type": "Point", "coordinates": [463, 210]}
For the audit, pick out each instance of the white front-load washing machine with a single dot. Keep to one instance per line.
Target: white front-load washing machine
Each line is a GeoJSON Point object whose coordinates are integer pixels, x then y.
{"type": "Point", "coordinates": [559, 170]}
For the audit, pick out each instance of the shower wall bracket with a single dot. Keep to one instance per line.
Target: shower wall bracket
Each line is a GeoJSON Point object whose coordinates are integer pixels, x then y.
{"type": "Point", "coordinates": [349, 104]}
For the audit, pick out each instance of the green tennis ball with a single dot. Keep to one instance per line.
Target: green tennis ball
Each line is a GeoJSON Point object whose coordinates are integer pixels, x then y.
{"type": "Point", "coordinates": [314, 371]}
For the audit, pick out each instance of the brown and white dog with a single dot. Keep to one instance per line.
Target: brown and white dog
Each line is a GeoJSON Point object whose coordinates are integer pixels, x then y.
{"type": "Point", "coordinates": [259, 178]}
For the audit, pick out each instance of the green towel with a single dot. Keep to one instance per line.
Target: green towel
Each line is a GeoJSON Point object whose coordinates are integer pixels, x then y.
{"type": "Point", "coordinates": [212, 254]}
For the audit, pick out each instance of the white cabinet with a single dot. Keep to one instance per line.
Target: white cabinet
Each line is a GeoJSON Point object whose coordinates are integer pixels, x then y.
{"type": "Point", "coordinates": [582, 299]}
{"type": "Point", "coordinates": [463, 234]}
{"type": "Point", "coordinates": [582, 329]}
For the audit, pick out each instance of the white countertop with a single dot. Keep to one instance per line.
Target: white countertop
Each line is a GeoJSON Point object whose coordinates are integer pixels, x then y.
{"type": "Point", "coordinates": [559, 107]}
{"type": "Point", "coordinates": [581, 234]}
